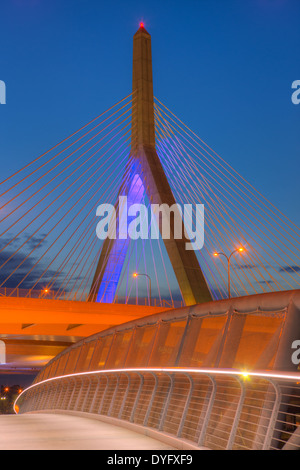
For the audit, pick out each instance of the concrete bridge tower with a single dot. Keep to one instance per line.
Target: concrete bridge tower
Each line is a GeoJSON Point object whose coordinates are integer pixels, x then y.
{"type": "Point", "coordinates": [147, 175]}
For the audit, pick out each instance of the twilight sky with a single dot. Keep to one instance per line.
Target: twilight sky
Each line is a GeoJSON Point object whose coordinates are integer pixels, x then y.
{"type": "Point", "coordinates": [224, 67]}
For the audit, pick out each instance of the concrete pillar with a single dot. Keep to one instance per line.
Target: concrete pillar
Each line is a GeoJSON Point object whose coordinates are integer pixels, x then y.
{"type": "Point", "coordinates": [185, 263]}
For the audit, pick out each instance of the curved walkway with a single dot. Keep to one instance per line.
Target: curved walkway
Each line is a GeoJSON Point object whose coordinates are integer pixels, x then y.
{"type": "Point", "coordinates": [66, 432]}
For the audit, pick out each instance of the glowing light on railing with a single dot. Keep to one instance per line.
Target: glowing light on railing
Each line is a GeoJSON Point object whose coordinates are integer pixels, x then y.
{"type": "Point", "coordinates": [245, 375]}
{"type": "Point", "coordinates": [265, 375]}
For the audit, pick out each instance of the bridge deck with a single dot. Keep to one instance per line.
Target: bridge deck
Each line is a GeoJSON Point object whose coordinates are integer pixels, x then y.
{"type": "Point", "coordinates": [67, 432]}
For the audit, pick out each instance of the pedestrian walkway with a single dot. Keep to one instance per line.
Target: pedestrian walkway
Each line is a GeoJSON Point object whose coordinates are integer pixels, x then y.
{"type": "Point", "coordinates": [67, 432]}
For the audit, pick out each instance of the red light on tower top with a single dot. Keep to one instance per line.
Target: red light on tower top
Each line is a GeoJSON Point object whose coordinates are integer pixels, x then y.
{"type": "Point", "coordinates": [142, 25]}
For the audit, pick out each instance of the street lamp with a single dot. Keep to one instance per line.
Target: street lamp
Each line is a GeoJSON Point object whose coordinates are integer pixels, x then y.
{"type": "Point", "coordinates": [149, 278]}
{"type": "Point", "coordinates": [238, 250]}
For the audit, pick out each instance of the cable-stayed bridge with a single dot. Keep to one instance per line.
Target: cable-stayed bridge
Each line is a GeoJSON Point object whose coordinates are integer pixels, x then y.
{"type": "Point", "coordinates": [60, 283]}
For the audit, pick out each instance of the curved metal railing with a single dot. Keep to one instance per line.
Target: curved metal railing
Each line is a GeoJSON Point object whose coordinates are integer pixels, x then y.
{"type": "Point", "coordinates": [211, 408]}
{"type": "Point", "coordinates": [206, 346]}
{"type": "Point", "coordinates": [255, 332]}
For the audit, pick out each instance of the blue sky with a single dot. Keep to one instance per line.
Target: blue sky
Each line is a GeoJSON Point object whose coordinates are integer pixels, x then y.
{"type": "Point", "coordinates": [224, 67]}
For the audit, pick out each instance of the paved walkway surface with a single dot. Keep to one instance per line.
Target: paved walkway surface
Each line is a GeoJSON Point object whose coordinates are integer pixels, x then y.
{"type": "Point", "coordinates": [67, 432]}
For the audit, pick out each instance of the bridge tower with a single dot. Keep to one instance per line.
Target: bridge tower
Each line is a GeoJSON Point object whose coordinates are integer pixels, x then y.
{"type": "Point", "coordinates": [147, 174]}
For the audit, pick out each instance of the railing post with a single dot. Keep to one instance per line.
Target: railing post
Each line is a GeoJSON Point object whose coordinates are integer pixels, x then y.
{"type": "Point", "coordinates": [44, 399]}
{"type": "Point", "coordinates": [49, 396]}
{"type": "Point", "coordinates": [40, 397]}
{"type": "Point", "coordinates": [95, 395]}
{"type": "Point", "coordinates": [87, 393]}
{"type": "Point", "coordinates": [151, 399]}
{"type": "Point", "coordinates": [79, 393]}
{"type": "Point", "coordinates": [137, 397]}
{"type": "Point", "coordinates": [54, 395]}
{"type": "Point", "coordinates": [167, 402]}
{"type": "Point", "coordinates": [60, 393]}
{"type": "Point", "coordinates": [269, 412]}
{"type": "Point", "coordinates": [72, 394]}
{"type": "Point", "coordinates": [65, 399]}
{"type": "Point", "coordinates": [103, 396]}
{"type": "Point", "coordinates": [208, 411]}
{"type": "Point", "coordinates": [186, 406]}
{"type": "Point", "coordinates": [237, 415]}
{"type": "Point", "coordinates": [273, 418]}
{"type": "Point", "coordinates": [125, 396]}
{"type": "Point", "coordinates": [114, 396]}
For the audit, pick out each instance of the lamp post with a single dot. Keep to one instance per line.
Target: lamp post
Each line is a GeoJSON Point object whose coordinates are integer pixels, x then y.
{"type": "Point", "coordinates": [228, 258]}
{"type": "Point", "coordinates": [149, 278]}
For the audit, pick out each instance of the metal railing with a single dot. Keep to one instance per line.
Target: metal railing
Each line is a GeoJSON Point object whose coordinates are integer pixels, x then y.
{"type": "Point", "coordinates": [216, 339]}
{"type": "Point", "coordinates": [215, 334]}
{"type": "Point", "coordinates": [83, 297]}
{"type": "Point", "coordinates": [212, 408]}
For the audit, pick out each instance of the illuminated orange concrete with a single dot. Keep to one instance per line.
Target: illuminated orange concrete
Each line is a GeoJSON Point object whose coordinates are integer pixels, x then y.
{"type": "Point", "coordinates": [25, 310]}
{"type": "Point", "coordinates": [36, 330]}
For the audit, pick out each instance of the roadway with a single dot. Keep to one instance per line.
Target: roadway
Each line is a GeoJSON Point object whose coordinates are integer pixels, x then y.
{"type": "Point", "coordinates": [67, 432]}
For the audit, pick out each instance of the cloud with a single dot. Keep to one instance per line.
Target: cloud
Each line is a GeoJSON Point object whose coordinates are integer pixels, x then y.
{"type": "Point", "coordinates": [290, 269]}
{"type": "Point", "coordinates": [245, 266]}
{"type": "Point", "coordinates": [31, 242]}
{"type": "Point", "coordinates": [268, 281]}
{"type": "Point", "coordinates": [20, 266]}
{"type": "Point", "coordinates": [36, 242]}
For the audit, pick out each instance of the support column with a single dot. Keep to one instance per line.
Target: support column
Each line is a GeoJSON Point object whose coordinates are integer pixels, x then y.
{"type": "Point", "coordinates": [185, 263]}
